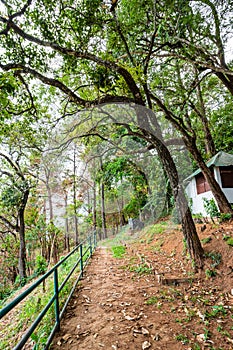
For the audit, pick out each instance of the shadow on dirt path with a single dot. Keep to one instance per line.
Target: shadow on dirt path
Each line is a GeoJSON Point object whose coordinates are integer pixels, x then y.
{"type": "Point", "coordinates": [108, 310]}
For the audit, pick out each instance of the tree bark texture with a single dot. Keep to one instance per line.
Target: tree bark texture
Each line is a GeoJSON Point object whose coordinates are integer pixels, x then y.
{"type": "Point", "coordinates": [22, 246]}
{"type": "Point", "coordinates": [189, 230]}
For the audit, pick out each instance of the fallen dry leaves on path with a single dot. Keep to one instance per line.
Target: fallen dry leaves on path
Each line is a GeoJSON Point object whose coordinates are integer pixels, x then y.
{"type": "Point", "coordinates": [121, 304]}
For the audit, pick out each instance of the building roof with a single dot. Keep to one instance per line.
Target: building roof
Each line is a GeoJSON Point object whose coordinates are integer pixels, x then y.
{"type": "Point", "coordinates": [220, 159]}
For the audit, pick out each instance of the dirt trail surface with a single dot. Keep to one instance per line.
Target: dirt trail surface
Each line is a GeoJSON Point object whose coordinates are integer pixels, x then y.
{"type": "Point", "coordinates": [152, 299]}
{"type": "Point", "coordinates": [109, 311]}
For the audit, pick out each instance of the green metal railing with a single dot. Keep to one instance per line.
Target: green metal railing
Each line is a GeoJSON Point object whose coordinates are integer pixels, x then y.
{"type": "Point", "coordinates": [85, 250]}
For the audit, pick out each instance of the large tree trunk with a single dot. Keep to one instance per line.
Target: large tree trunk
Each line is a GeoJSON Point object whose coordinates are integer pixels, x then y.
{"type": "Point", "coordinates": [189, 230]}
{"type": "Point", "coordinates": [151, 132]}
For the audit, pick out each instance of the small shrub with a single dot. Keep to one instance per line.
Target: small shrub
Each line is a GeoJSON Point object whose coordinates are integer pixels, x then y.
{"type": "Point", "coordinates": [184, 340]}
{"type": "Point", "coordinates": [215, 257]}
{"type": "Point", "coordinates": [229, 241]}
{"type": "Point", "coordinates": [41, 265]}
{"type": "Point", "coordinates": [225, 217]}
{"type": "Point", "coordinates": [141, 269]}
{"type": "Point", "coordinates": [198, 218]}
{"type": "Point", "coordinates": [118, 251]}
{"type": "Point", "coordinates": [211, 208]}
{"type": "Point", "coordinates": [210, 273]}
{"type": "Point", "coordinates": [151, 301]}
{"type": "Point", "coordinates": [206, 240]}
{"type": "Point", "coordinates": [217, 311]}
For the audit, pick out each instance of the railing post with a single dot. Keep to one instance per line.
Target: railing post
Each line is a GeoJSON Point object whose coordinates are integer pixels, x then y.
{"type": "Point", "coordinates": [90, 243]}
{"type": "Point", "coordinates": [95, 239]}
{"type": "Point", "coordinates": [81, 258]}
{"type": "Point", "coordinates": [56, 301]}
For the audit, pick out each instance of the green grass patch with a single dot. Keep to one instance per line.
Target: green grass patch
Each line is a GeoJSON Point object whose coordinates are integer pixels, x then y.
{"type": "Point", "coordinates": [36, 301]}
{"type": "Point", "coordinates": [152, 300]}
{"type": "Point", "coordinates": [206, 240]}
{"type": "Point", "coordinates": [229, 241]}
{"type": "Point", "coordinates": [123, 236]}
{"type": "Point", "coordinates": [217, 311]}
{"type": "Point", "coordinates": [141, 269]}
{"type": "Point", "coordinates": [150, 232]}
{"type": "Point", "coordinates": [182, 338]}
{"type": "Point", "coordinates": [118, 251]}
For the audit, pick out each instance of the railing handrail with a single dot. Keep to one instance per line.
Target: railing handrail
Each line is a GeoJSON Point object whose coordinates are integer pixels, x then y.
{"type": "Point", "coordinates": [57, 290]}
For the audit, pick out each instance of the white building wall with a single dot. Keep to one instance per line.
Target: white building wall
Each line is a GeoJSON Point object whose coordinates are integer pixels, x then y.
{"type": "Point", "coordinates": [227, 191]}
{"type": "Point", "coordinates": [197, 206]}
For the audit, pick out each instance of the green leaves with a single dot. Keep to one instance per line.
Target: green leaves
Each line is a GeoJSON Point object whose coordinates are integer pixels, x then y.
{"type": "Point", "coordinates": [11, 197]}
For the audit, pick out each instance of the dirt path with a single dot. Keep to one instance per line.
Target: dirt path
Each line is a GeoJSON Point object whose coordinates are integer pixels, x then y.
{"type": "Point", "coordinates": [108, 311]}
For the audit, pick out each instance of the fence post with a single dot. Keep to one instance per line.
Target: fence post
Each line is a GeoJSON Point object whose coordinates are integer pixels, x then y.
{"type": "Point", "coordinates": [95, 239]}
{"type": "Point", "coordinates": [56, 301]}
{"type": "Point", "coordinates": [81, 258]}
{"type": "Point", "coordinates": [90, 243]}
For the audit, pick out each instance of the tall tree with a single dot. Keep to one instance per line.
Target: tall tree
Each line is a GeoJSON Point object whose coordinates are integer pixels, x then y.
{"type": "Point", "coordinates": [108, 56]}
{"type": "Point", "coordinates": [159, 36]}
{"type": "Point", "coordinates": [14, 196]}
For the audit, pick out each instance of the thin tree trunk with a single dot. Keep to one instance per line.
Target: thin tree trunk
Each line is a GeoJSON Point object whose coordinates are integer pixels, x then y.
{"type": "Point", "coordinates": [103, 215]}
{"type": "Point", "coordinates": [209, 142]}
{"type": "Point", "coordinates": [66, 242]}
{"type": "Point", "coordinates": [76, 229]}
{"type": "Point", "coordinates": [75, 201]}
{"type": "Point", "coordinates": [22, 246]}
{"type": "Point", "coordinates": [102, 195]}
{"type": "Point", "coordinates": [94, 207]}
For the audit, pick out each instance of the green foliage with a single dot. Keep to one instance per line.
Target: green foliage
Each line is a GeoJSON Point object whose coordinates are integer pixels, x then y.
{"type": "Point", "coordinates": [182, 338]}
{"type": "Point", "coordinates": [225, 217]}
{"type": "Point", "coordinates": [152, 301]}
{"type": "Point", "coordinates": [91, 48]}
{"type": "Point", "coordinates": [215, 257]}
{"type": "Point", "coordinates": [11, 197]}
{"type": "Point", "coordinates": [121, 174]}
{"type": "Point", "coordinates": [41, 265]}
{"type": "Point", "coordinates": [216, 260]}
{"type": "Point", "coordinates": [210, 273]}
{"type": "Point", "coordinates": [150, 232]}
{"type": "Point", "coordinates": [206, 240]}
{"type": "Point", "coordinates": [211, 208]}
{"type": "Point", "coordinates": [118, 251]}
{"type": "Point", "coordinates": [141, 269]}
{"type": "Point", "coordinates": [229, 241]}
{"type": "Point", "coordinates": [217, 311]}
{"type": "Point", "coordinates": [37, 300]}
